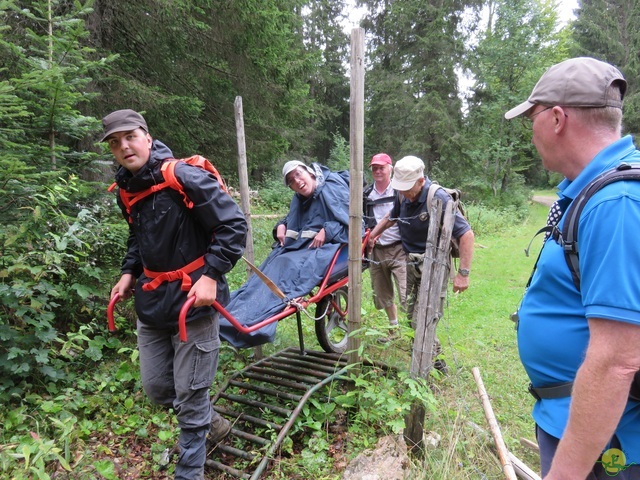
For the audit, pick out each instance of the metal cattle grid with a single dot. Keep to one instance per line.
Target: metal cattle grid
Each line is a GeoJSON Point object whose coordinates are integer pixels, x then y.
{"type": "Point", "coordinates": [263, 401]}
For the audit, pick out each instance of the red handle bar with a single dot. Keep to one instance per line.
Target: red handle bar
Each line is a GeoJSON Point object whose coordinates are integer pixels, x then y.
{"type": "Point", "coordinates": [112, 304]}
{"type": "Point", "coordinates": [182, 318]}
{"type": "Point", "coordinates": [182, 326]}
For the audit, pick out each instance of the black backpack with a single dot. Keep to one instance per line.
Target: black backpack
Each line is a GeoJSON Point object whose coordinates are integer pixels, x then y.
{"type": "Point", "coordinates": [568, 237]}
{"type": "Point", "coordinates": [368, 204]}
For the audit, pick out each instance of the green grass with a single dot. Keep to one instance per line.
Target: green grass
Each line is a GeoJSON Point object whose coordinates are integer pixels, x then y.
{"type": "Point", "coordinates": [476, 331]}
{"type": "Point", "coordinates": [106, 424]}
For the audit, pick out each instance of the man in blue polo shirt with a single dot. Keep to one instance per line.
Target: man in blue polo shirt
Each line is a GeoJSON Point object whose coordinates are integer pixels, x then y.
{"type": "Point", "coordinates": [589, 337]}
{"type": "Point", "coordinates": [411, 216]}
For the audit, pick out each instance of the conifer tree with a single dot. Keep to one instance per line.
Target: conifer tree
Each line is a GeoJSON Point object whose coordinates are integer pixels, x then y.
{"type": "Point", "coordinates": [49, 68]}
{"type": "Point", "coordinates": [520, 41]}
{"type": "Point", "coordinates": [412, 97]}
{"type": "Point", "coordinates": [608, 30]}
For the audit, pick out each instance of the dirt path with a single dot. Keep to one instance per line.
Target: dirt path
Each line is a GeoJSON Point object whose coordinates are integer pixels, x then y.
{"type": "Point", "coordinates": [544, 200]}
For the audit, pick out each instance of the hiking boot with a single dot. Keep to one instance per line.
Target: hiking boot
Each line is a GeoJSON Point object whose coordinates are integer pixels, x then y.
{"type": "Point", "coordinates": [393, 334]}
{"type": "Point", "coordinates": [441, 366]}
{"type": "Point", "coordinates": [218, 431]}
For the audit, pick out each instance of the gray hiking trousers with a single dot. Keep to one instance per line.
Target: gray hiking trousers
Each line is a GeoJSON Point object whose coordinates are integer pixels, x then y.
{"type": "Point", "coordinates": [179, 375]}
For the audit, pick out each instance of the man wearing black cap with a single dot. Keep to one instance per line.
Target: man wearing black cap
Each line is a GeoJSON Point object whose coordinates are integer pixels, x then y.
{"type": "Point", "coordinates": [187, 251]}
{"type": "Point", "coordinates": [581, 346]}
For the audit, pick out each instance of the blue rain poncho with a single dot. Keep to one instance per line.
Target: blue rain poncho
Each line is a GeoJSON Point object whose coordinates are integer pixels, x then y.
{"type": "Point", "coordinates": [295, 268]}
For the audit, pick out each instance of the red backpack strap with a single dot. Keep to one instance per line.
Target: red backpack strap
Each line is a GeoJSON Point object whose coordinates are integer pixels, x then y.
{"type": "Point", "coordinates": [130, 199]}
{"type": "Point", "coordinates": [168, 170]}
{"type": "Point", "coordinates": [168, 173]}
{"type": "Point", "coordinates": [202, 162]}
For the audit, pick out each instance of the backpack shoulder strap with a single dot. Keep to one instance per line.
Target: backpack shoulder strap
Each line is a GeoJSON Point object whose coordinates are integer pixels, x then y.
{"type": "Point", "coordinates": [370, 203]}
{"type": "Point", "coordinates": [433, 188]}
{"type": "Point", "coordinates": [129, 199]}
{"type": "Point", "coordinates": [367, 190]}
{"type": "Point", "coordinates": [202, 162]}
{"type": "Point", "coordinates": [568, 239]}
{"type": "Point", "coordinates": [168, 170]}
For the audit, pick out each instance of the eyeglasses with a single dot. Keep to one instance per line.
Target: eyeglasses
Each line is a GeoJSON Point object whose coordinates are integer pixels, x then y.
{"type": "Point", "coordinates": [527, 120]}
{"type": "Point", "coordinates": [538, 113]}
{"type": "Point", "coordinates": [294, 177]}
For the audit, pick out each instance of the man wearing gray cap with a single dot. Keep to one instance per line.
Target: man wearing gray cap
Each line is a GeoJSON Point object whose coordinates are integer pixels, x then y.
{"type": "Point", "coordinates": [175, 252]}
{"type": "Point", "coordinates": [580, 345]}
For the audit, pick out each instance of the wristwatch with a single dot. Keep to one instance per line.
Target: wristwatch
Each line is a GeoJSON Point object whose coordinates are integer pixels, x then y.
{"type": "Point", "coordinates": [464, 272]}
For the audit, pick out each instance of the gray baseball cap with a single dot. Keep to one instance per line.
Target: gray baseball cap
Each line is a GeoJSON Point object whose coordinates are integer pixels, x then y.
{"type": "Point", "coordinates": [577, 82]}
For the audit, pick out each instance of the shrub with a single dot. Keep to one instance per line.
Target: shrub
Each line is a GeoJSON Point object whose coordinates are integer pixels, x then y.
{"type": "Point", "coordinates": [55, 259]}
{"type": "Point", "coordinates": [274, 195]}
{"type": "Point", "coordinates": [487, 221]}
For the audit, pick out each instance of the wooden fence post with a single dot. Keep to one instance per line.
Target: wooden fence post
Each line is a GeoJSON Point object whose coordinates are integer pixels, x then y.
{"type": "Point", "coordinates": [356, 142]}
{"type": "Point", "coordinates": [245, 196]}
{"type": "Point", "coordinates": [428, 310]}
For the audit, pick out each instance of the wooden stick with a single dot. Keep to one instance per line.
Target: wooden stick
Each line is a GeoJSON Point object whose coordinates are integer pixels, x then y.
{"type": "Point", "coordinates": [522, 470]}
{"type": "Point", "coordinates": [530, 445]}
{"type": "Point", "coordinates": [245, 196]}
{"type": "Point", "coordinates": [503, 453]}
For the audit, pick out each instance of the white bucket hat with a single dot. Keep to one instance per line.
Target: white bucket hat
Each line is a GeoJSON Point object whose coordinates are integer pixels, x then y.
{"type": "Point", "coordinates": [406, 172]}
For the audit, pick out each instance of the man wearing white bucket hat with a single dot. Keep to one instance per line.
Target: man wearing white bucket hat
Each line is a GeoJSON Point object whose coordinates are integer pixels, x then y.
{"type": "Point", "coordinates": [411, 216]}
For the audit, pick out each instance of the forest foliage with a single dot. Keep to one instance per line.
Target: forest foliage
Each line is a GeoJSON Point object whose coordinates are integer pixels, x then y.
{"type": "Point", "coordinates": [65, 64]}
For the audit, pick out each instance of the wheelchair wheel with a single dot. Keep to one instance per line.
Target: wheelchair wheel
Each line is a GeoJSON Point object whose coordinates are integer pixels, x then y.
{"type": "Point", "coordinates": [332, 328]}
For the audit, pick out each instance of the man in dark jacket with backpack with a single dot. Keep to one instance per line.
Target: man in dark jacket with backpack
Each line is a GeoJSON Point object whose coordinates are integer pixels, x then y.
{"type": "Point", "coordinates": [175, 252]}
{"type": "Point", "coordinates": [580, 341]}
